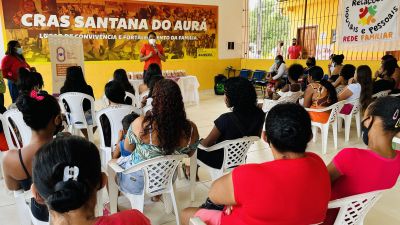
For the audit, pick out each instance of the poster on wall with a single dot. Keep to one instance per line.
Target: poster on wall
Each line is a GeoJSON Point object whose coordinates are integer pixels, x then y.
{"type": "Point", "coordinates": [64, 52]}
{"type": "Point", "coordinates": [112, 29]}
{"type": "Point", "coordinates": [366, 24]}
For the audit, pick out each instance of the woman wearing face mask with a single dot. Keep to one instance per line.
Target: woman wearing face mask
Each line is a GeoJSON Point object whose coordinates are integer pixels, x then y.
{"type": "Point", "coordinates": [10, 65]}
{"type": "Point", "coordinates": [152, 52]}
{"type": "Point", "coordinates": [41, 112]}
{"type": "Point", "coordinates": [277, 71]}
{"type": "Point", "coordinates": [348, 172]}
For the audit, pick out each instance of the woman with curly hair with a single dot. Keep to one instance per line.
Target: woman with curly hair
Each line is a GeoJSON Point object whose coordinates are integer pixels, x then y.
{"type": "Point", "coordinates": [246, 119]}
{"type": "Point", "coordinates": [164, 131]}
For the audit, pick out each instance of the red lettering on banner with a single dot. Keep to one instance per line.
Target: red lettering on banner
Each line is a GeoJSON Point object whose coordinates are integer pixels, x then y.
{"type": "Point", "coordinates": [350, 38]}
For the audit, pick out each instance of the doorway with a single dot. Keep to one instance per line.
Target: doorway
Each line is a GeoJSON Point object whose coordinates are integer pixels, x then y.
{"type": "Point", "coordinates": [310, 40]}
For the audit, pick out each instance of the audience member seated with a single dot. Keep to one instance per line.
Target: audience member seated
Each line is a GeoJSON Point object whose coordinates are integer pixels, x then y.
{"type": "Point", "coordinates": [355, 171]}
{"type": "Point", "coordinates": [389, 66]}
{"type": "Point", "coordinates": [359, 88]}
{"type": "Point", "coordinates": [319, 94]}
{"type": "Point", "coordinates": [116, 96]}
{"type": "Point", "coordinates": [66, 177]}
{"type": "Point", "coordinates": [147, 100]}
{"type": "Point", "coordinates": [75, 82]}
{"type": "Point", "coordinates": [277, 72]}
{"type": "Point", "coordinates": [119, 150]}
{"type": "Point", "coordinates": [29, 81]}
{"type": "Point", "coordinates": [165, 131]}
{"type": "Point", "coordinates": [152, 70]}
{"type": "Point", "coordinates": [292, 189]}
{"type": "Point", "coordinates": [121, 77]}
{"type": "Point", "coordinates": [246, 119]}
{"type": "Point", "coordinates": [385, 79]}
{"type": "Point", "coordinates": [42, 114]}
{"type": "Point", "coordinates": [335, 67]}
{"type": "Point", "coordinates": [346, 74]}
{"type": "Point", "coordinates": [294, 73]}
{"type": "Point", "coordinates": [311, 62]}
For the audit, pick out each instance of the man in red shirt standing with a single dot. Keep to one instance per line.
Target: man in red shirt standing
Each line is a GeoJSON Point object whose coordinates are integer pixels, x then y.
{"type": "Point", "coordinates": [152, 52]}
{"type": "Point", "coordinates": [294, 51]}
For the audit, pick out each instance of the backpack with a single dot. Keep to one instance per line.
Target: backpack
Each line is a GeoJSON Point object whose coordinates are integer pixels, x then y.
{"type": "Point", "coordinates": [219, 84]}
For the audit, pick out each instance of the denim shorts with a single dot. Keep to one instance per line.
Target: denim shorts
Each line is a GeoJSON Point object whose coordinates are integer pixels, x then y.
{"type": "Point", "coordinates": [132, 183]}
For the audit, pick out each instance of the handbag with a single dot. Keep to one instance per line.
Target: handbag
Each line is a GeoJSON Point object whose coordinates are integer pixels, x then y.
{"type": "Point", "coordinates": [2, 83]}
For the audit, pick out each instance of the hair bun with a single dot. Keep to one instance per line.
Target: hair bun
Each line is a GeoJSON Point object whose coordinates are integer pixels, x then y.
{"type": "Point", "coordinates": [68, 195]}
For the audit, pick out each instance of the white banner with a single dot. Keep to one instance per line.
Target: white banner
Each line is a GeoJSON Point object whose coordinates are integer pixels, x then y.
{"type": "Point", "coordinates": [367, 23]}
{"type": "Point", "coordinates": [64, 52]}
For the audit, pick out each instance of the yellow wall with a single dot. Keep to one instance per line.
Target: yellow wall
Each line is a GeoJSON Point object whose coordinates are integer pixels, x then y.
{"type": "Point", "coordinates": [265, 64]}
{"type": "Point", "coordinates": [98, 73]}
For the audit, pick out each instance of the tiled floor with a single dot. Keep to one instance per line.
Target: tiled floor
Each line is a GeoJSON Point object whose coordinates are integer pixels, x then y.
{"type": "Point", "coordinates": [386, 211]}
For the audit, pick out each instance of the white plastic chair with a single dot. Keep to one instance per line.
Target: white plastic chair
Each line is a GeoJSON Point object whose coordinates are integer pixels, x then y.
{"type": "Point", "coordinates": [115, 114]}
{"type": "Point", "coordinates": [356, 112]}
{"type": "Point", "coordinates": [235, 152]}
{"type": "Point", "coordinates": [158, 174]}
{"type": "Point", "coordinates": [325, 126]}
{"type": "Point", "coordinates": [132, 97]}
{"type": "Point", "coordinates": [293, 98]}
{"type": "Point", "coordinates": [353, 209]}
{"type": "Point", "coordinates": [76, 117]}
{"type": "Point", "coordinates": [141, 97]}
{"type": "Point", "coordinates": [22, 201]}
{"type": "Point", "coordinates": [24, 131]}
{"type": "Point", "coordinates": [10, 143]}
{"type": "Point", "coordinates": [381, 94]}
{"type": "Point", "coordinates": [395, 95]}
{"type": "Point", "coordinates": [196, 221]}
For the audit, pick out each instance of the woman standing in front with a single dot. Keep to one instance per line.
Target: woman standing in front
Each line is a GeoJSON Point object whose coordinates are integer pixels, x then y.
{"type": "Point", "coordinates": [152, 52]}
{"type": "Point", "coordinates": [10, 65]}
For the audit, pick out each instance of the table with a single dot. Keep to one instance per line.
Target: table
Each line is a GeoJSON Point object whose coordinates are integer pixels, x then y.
{"type": "Point", "coordinates": [189, 86]}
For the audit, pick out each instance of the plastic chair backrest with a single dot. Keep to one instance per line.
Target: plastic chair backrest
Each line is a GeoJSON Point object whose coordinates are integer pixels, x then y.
{"type": "Point", "coordinates": [245, 73]}
{"type": "Point", "coordinates": [7, 132]}
{"type": "Point", "coordinates": [381, 94]}
{"type": "Point", "coordinates": [132, 97]}
{"type": "Point", "coordinates": [259, 75]}
{"type": "Point", "coordinates": [159, 172]}
{"type": "Point", "coordinates": [24, 131]}
{"type": "Point", "coordinates": [353, 209]}
{"type": "Point", "coordinates": [293, 98]}
{"type": "Point", "coordinates": [356, 106]}
{"type": "Point", "coordinates": [76, 116]}
{"type": "Point", "coordinates": [235, 151]}
{"type": "Point", "coordinates": [115, 114]}
{"type": "Point", "coordinates": [334, 111]}
{"type": "Point", "coordinates": [141, 97]}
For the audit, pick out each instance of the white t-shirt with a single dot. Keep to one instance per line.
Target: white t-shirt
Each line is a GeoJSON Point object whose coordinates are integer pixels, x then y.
{"type": "Point", "coordinates": [281, 72]}
{"type": "Point", "coordinates": [356, 90]}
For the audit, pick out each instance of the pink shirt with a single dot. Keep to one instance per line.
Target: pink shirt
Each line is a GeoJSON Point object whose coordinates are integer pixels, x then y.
{"type": "Point", "coordinates": [363, 171]}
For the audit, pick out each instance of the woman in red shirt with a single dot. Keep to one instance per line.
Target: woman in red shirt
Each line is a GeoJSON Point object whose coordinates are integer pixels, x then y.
{"type": "Point", "coordinates": [10, 65]}
{"type": "Point", "coordinates": [66, 177]}
{"type": "Point", "coordinates": [292, 189]}
{"type": "Point", "coordinates": [151, 52]}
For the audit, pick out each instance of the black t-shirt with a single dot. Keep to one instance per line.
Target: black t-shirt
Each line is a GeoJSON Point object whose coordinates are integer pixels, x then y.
{"type": "Point", "coordinates": [383, 85]}
{"type": "Point", "coordinates": [249, 125]}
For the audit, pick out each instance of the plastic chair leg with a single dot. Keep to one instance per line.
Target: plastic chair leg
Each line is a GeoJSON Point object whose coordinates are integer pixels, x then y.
{"type": "Point", "coordinates": [358, 124]}
{"type": "Point", "coordinates": [90, 133]}
{"type": "Point", "coordinates": [193, 172]}
{"type": "Point", "coordinates": [175, 206]}
{"type": "Point", "coordinates": [99, 204]}
{"type": "Point", "coordinates": [113, 191]}
{"type": "Point", "coordinates": [335, 134]}
{"type": "Point", "coordinates": [324, 137]}
{"type": "Point", "coordinates": [347, 124]}
{"type": "Point", "coordinates": [314, 131]}
{"type": "Point", "coordinates": [340, 123]}
{"type": "Point", "coordinates": [137, 201]}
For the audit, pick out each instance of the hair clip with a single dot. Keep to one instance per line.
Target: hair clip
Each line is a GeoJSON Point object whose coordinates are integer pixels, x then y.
{"type": "Point", "coordinates": [34, 95]}
{"type": "Point", "coordinates": [71, 173]}
{"type": "Point", "coordinates": [396, 114]}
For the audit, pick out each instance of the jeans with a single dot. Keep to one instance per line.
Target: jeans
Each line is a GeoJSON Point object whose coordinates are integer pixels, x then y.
{"type": "Point", "coordinates": [13, 90]}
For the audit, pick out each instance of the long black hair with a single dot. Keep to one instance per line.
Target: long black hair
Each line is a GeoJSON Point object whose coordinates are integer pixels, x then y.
{"type": "Point", "coordinates": [121, 77]}
{"type": "Point", "coordinates": [388, 109]}
{"type": "Point", "coordinates": [241, 96]}
{"type": "Point", "coordinates": [75, 81]}
{"type": "Point", "coordinates": [153, 70]}
{"type": "Point", "coordinates": [317, 74]}
{"type": "Point", "coordinates": [364, 78]}
{"type": "Point", "coordinates": [48, 173]}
